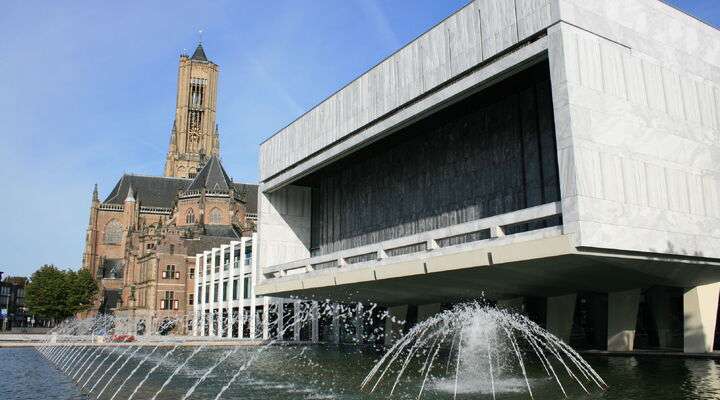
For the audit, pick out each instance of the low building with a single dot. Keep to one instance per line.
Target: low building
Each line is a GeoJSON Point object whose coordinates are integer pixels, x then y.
{"type": "Point", "coordinates": [227, 305]}
{"type": "Point", "coordinates": [556, 157]}
{"type": "Point", "coordinates": [14, 313]}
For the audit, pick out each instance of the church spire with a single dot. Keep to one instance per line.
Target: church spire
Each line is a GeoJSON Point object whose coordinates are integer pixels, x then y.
{"type": "Point", "coordinates": [199, 54]}
{"type": "Point", "coordinates": [130, 196]}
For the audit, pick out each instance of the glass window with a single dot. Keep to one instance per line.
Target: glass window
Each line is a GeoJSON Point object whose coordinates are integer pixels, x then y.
{"type": "Point", "coordinates": [235, 289]}
{"type": "Point", "coordinates": [113, 232]}
{"type": "Point", "coordinates": [190, 216]}
{"type": "Point", "coordinates": [215, 216]}
{"type": "Point", "coordinates": [207, 293]}
{"type": "Point", "coordinates": [225, 291]}
{"type": "Point", "coordinates": [247, 288]}
{"type": "Point", "coordinates": [215, 297]}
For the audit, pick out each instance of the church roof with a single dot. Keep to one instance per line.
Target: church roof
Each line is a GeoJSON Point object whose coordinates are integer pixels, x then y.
{"type": "Point", "coordinates": [199, 54]}
{"type": "Point", "coordinates": [211, 177]}
{"type": "Point", "coordinates": [160, 191]}
{"type": "Point", "coordinates": [222, 231]}
{"type": "Point", "coordinates": [251, 198]}
{"type": "Point", "coordinates": [149, 191]}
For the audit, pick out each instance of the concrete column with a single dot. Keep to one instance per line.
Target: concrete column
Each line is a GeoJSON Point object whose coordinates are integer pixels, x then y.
{"type": "Point", "coordinates": [222, 304]}
{"type": "Point", "coordinates": [241, 289]}
{"type": "Point", "coordinates": [231, 286]}
{"type": "Point", "coordinates": [359, 323]}
{"type": "Point", "coordinates": [213, 303]}
{"type": "Point", "coordinates": [198, 293]}
{"type": "Point", "coordinates": [560, 313]}
{"type": "Point", "coordinates": [426, 311]}
{"type": "Point", "coordinates": [315, 328]}
{"type": "Point", "coordinates": [280, 307]}
{"type": "Point", "coordinates": [394, 323]}
{"type": "Point", "coordinates": [203, 303]}
{"type": "Point", "coordinates": [700, 306]}
{"type": "Point", "coordinates": [514, 305]}
{"type": "Point", "coordinates": [336, 323]}
{"type": "Point", "coordinates": [296, 320]}
{"type": "Point", "coordinates": [622, 318]}
{"type": "Point", "coordinates": [266, 317]}
{"type": "Point", "coordinates": [253, 282]}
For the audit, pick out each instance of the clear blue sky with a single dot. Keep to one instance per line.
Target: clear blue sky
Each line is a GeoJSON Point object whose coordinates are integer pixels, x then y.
{"type": "Point", "coordinates": [87, 92]}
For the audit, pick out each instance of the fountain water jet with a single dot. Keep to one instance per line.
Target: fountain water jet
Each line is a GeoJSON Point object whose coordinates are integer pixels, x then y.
{"type": "Point", "coordinates": [491, 346]}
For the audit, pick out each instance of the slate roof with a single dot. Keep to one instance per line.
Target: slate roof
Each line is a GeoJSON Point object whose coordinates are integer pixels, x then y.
{"type": "Point", "coordinates": [222, 231]}
{"type": "Point", "coordinates": [160, 191]}
{"type": "Point", "coordinates": [199, 54]}
{"type": "Point", "coordinates": [202, 243]}
{"type": "Point", "coordinates": [252, 195]}
{"type": "Point", "coordinates": [211, 177]}
{"type": "Point", "coordinates": [149, 191]}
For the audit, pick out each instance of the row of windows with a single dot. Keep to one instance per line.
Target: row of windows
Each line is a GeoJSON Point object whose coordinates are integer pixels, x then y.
{"type": "Point", "coordinates": [215, 216]}
{"type": "Point", "coordinates": [114, 229]}
{"type": "Point", "coordinates": [247, 259]}
{"type": "Point", "coordinates": [235, 290]}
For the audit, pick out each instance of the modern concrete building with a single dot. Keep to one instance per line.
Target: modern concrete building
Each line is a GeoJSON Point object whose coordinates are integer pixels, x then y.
{"type": "Point", "coordinates": [227, 306]}
{"type": "Point", "coordinates": [560, 157]}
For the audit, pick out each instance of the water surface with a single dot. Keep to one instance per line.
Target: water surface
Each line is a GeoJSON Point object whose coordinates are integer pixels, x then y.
{"type": "Point", "coordinates": [336, 373]}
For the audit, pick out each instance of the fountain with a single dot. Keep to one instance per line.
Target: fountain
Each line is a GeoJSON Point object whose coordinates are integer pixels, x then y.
{"type": "Point", "coordinates": [488, 348]}
{"type": "Point", "coordinates": [471, 349]}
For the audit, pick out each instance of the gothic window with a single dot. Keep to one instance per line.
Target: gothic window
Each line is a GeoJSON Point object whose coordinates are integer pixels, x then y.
{"type": "Point", "coordinates": [215, 216]}
{"type": "Point", "coordinates": [197, 92]}
{"type": "Point", "coordinates": [195, 118]}
{"type": "Point", "coordinates": [190, 217]}
{"type": "Point", "coordinates": [113, 232]}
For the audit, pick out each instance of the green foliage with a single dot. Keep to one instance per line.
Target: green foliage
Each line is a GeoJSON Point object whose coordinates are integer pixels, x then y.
{"type": "Point", "coordinates": [59, 294]}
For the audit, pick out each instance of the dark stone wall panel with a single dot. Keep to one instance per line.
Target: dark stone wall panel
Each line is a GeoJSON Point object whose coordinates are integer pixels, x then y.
{"type": "Point", "coordinates": [491, 153]}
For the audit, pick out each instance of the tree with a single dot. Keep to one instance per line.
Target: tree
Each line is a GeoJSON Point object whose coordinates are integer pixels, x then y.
{"type": "Point", "coordinates": [57, 294]}
{"type": "Point", "coordinates": [82, 291]}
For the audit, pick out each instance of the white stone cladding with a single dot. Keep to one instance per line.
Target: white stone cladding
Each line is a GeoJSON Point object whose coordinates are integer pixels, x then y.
{"type": "Point", "coordinates": [636, 88]}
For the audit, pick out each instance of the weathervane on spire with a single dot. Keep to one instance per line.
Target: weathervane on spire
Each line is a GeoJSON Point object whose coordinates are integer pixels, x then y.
{"type": "Point", "coordinates": [200, 36]}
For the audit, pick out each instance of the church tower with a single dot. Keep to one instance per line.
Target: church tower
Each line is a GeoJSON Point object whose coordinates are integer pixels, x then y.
{"type": "Point", "coordinates": [194, 137]}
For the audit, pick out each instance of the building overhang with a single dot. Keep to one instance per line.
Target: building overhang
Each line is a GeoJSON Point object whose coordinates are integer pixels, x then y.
{"type": "Point", "coordinates": [535, 264]}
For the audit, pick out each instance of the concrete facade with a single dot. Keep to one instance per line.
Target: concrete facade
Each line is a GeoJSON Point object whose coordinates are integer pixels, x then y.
{"type": "Point", "coordinates": [227, 305]}
{"type": "Point", "coordinates": [635, 92]}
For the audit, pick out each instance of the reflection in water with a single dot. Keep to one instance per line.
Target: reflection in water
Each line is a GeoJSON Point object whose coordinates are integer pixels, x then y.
{"type": "Point", "coordinates": [702, 379]}
{"type": "Point", "coordinates": [317, 372]}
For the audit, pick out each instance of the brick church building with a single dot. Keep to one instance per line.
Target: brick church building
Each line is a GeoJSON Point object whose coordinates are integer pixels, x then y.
{"type": "Point", "coordinates": [141, 240]}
